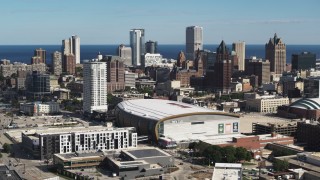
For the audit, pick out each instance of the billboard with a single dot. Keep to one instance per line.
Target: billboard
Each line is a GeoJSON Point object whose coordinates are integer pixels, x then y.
{"type": "Point", "coordinates": [235, 127]}
{"type": "Point", "coordinates": [220, 128]}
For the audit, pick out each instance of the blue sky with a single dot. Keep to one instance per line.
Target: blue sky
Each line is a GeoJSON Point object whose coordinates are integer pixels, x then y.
{"type": "Point", "coordinates": [109, 21]}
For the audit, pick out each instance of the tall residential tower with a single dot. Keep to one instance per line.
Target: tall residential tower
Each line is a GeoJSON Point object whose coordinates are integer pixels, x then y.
{"type": "Point", "coordinates": [71, 46]}
{"type": "Point", "coordinates": [94, 86]}
{"type": "Point", "coordinates": [194, 41]}
{"type": "Point", "coordinates": [276, 54]}
{"type": "Point", "coordinates": [137, 46]}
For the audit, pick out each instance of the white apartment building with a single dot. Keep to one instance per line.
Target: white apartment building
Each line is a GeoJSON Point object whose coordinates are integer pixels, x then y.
{"type": "Point", "coordinates": [266, 104]}
{"type": "Point", "coordinates": [130, 79]}
{"type": "Point", "coordinates": [80, 139]}
{"type": "Point", "coordinates": [94, 86]}
{"type": "Point", "coordinates": [152, 59]}
{"type": "Point", "coordinates": [76, 48]}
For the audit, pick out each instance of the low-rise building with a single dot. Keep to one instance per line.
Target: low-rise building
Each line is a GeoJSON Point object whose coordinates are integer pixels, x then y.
{"type": "Point", "coordinates": [131, 164]}
{"type": "Point", "coordinates": [284, 128]}
{"type": "Point", "coordinates": [232, 171]}
{"type": "Point", "coordinates": [38, 108]}
{"type": "Point", "coordinates": [308, 132]}
{"type": "Point", "coordinates": [265, 103]}
{"type": "Point", "coordinates": [77, 160]}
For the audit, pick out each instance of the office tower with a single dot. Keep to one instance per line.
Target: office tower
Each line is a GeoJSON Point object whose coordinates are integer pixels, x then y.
{"type": "Point", "coordinates": [38, 85]}
{"type": "Point", "coordinates": [94, 86]}
{"type": "Point", "coordinates": [304, 61]}
{"type": "Point", "coordinates": [222, 69]}
{"type": "Point", "coordinates": [259, 68]}
{"type": "Point", "coordinates": [312, 87]}
{"type": "Point", "coordinates": [194, 41]}
{"type": "Point", "coordinates": [240, 49]}
{"type": "Point", "coordinates": [69, 64]}
{"type": "Point", "coordinates": [115, 73]}
{"type": "Point", "coordinates": [152, 47]}
{"type": "Point", "coordinates": [71, 46]}
{"type": "Point", "coordinates": [276, 54]}
{"type": "Point", "coordinates": [41, 53]}
{"type": "Point", "coordinates": [125, 54]}
{"type": "Point", "coordinates": [56, 63]}
{"type": "Point", "coordinates": [137, 46]}
{"type": "Point", "coordinates": [76, 48]}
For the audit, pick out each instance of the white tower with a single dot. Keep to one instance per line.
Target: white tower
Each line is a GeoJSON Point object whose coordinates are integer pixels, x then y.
{"type": "Point", "coordinates": [240, 49]}
{"type": "Point", "coordinates": [94, 86]}
{"type": "Point", "coordinates": [194, 41]}
{"type": "Point", "coordinates": [137, 46]}
{"type": "Point", "coordinates": [76, 48]}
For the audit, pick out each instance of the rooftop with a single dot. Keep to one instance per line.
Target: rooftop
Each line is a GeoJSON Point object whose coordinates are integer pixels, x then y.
{"type": "Point", "coordinates": [158, 109]}
{"type": "Point", "coordinates": [145, 153]}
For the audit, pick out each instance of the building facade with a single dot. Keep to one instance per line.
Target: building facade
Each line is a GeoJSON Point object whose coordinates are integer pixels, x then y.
{"type": "Point", "coordinates": [76, 48]}
{"type": "Point", "coordinates": [94, 86]}
{"type": "Point", "coordinates": [69, 64]}
{"type": "Point", "coordinates": [266, 104]}
{"type": "Point", "coordinates": [38, 108]}
{"type": "Point", "coordinates": [259, 68]}
{"type": "Point", "coordinates": [41, 54]}
{"type": "Point", "coordinates": [137, 45]}
{"type": "Point", "coordinates": [115, 74]}
{"type": "Point", "coordinates": [57, 63]}
{"type": "Point", "coordinates": [152, 47]}
{"type": "Point", "coordinates": [303, 61]}
{"type": "Point", "coordinates": [152, 59]}
{"type": "Point", "coordinates": [276, 54]}
{"type": "Point", "coordinates": [240, 49]}
{"type": "Point", "coordinates": [70, 140]}
{"type": "Point", "coordinates": [38, 84]}
{"type": "Point", "coordinates": [194, 41]}
{"type": "Point", "coordinates": [125, 54]}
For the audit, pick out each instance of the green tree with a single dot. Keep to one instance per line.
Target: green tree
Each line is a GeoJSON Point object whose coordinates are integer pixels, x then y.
{"type": "Point", "coordinates": [248, 156]}
{"type": "Point", "coordinates": [280, 165]}
{"type": "Point", "coordinates": [229, 154]}
{"type": "Point", "coordinates": [1, 155]}
{"type": "Point", "coordinates": [241, 153]}
{"type": "Point", "coordinates": [6, 148]}
{"type": "Point", "coordinates": [213, 154]}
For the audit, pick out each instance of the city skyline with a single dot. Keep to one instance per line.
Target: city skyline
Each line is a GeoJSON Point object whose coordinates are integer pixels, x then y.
{"type": "Point", "coordinates": [104, 22]}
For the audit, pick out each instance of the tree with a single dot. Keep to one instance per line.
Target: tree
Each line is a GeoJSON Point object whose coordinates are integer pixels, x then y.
{"type": "Point", "coordinates": [213, 154]}
{"type": "Point", "coordinates": [280, 165]}
{"type": "Point", "coordinates": [229, 154]}
{"type": "Point", "coordinates": [6, 148]}
{"type": "Point", "coordinates": [0, 155]}
{"type": "Point", "coordinates": [241, 153]}
{"type": "Point", "coordinates": [248, 156]}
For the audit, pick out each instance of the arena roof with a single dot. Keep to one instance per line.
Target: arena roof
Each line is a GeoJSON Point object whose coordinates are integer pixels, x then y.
{"type": "Point", "coordinates": [158, 109]}
{"type": "Point", "coordinates": [307, 103]}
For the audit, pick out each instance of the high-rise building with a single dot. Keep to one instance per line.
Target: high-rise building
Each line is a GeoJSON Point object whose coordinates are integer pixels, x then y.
{"type": "Point", "coordinates": [194, 41]}
{"type": "Point", "coordinates": [115, 73]}
{"type": "Point", "coordinates": [137, 46]}
{"type": "Point", "coordinates": [41, 53]}
{"type": "Point", "coordinates": [94, 86]}
{"type": "Point", "coordinates": [76, 48]}
{"type": "Point", "coordinates": [312, 87]}
{"type": "Point", "coordinates": [69, 64]}
{"type": "Point", "coordinates": [304, 61]}
{"type": "Point", "coordinates": [38, 85]}
{"type": "Point", "coordinates": [276, 54]}
{"type": "Point", "coordinates": [259, 68]}
{"type": "Point", "coordinates": [152, 47]}
{"type": "Point", "coordinates": [125, 54]}
{"type": "Point", "coordinates": [71, 46]}
{"type": "Point", "coordinates": [56, 63]}
{"type": "Point", "coordinates": [222, 69]}
{"type": "Point", "coordinates": [240, 49]}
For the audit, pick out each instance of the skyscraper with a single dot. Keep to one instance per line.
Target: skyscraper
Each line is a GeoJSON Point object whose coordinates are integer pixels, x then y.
{"type": "Point", "coordinates": [305, 61]}
{"type": "Point", "coordinates": [276, 54]}
{"type": "Point", "coordinates": [152, 47]}
{"type": "Point", "coordinates": [137, 46]}
{"type": "Point", "coordinates": [57, 63]}
{"type": "Point", "coordinates": [71, 46]}
{"type": "Point", "coordinates": [125, 54]}
{"type": "Point", "coordinates": [222, 69]}
{"type": "Point", "coordinates": [194, 41]}
{"type": "Point", "coordinates": [240, 49]}
{"type": "Point", "coordinates": [69, 64]}
{"type": "Point", "coordinates": [76, 48]}
{"type": "Point", "coordinates": [94, 86]}
{"type": "Point", "coordinates": [260, 68]}
{"type": "Point", "coordinates": [41, 53]}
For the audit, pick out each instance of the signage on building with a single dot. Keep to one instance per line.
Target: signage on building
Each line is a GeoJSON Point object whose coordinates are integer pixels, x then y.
{"type": "Point", "coordinates": [221, 128]}
{"type": "Point", "coordinates": [235, 127]}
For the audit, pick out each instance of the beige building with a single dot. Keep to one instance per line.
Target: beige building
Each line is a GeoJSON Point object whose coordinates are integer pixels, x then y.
{"type": "Point", "coordinates": [266, 103]}
{"type": "Point", "coordinates": [276, 54]}
{"type": "Point", "coordinates": [240, 49]}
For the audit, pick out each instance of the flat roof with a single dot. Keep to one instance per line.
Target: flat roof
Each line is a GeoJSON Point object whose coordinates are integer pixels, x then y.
{"type": "Point", "coordinates": [47, 131]}
{"type": "Point", "coordinates": [228, 165]}
{"type": "Point", "coordinates": [158, 109]}
{"type": "Point", "coordinates": [79, 155]}
{"type": "Point", "coordinates": [145, 153]}
{"type": "Point", "coordinates": [221, 139]}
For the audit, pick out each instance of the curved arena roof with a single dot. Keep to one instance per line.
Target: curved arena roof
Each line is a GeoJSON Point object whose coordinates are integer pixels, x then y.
{"type": "Point", "coordinates": [158, 109]}
{"type": "Point", "coordinates": [307, 103]}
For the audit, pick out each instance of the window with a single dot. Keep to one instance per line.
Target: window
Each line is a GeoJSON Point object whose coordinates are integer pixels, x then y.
{"type": "Point", "coordinates": [199, 122]}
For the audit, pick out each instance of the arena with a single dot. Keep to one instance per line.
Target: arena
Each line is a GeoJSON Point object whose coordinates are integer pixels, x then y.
{"type": "Point", "coordinates": [174, 120]}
